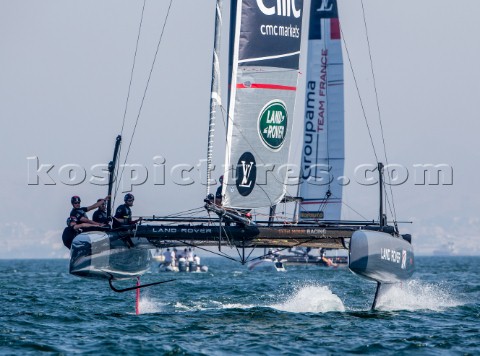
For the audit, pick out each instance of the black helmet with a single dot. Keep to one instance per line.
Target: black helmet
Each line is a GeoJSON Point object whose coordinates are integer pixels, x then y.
{"type": "Point", "coordinates": [75, 199]}
{"type": "Point", "coordinates": [128, 196]}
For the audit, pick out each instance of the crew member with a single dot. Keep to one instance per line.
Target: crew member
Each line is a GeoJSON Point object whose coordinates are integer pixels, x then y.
{"type": "Point", "coordinates": [100, 215]}
{"type": "Point", "coordinates": [197, 260]}
{"type": "Point", "coordinates": [169, 258]}
{"type": "Point", "coordinates": [218, 193]}
{"type": "Point", "coordinates": [73, 228]}
{"type": "Point", "coordinates": [123, 214]}
{"type": "Point", "coordinates": [189, 254]}
{"type": "Point", "coordinates": [80, 213]}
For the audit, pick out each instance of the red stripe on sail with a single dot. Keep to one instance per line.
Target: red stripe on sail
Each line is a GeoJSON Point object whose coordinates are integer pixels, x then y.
{"type": "Point", "coordinates": [266, 86]}
{"type": "Point", "coordinates": [335, 29]}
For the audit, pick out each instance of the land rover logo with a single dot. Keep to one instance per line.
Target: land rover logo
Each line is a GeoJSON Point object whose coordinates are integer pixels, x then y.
{"type": "Point", "coordinates": [246, 174]}
{"type": "Point", "coordinates": [272, 124]}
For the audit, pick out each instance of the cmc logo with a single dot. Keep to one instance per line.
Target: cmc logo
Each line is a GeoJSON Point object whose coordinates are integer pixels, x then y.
{"type": "Point", "coordinates": [283, 8]}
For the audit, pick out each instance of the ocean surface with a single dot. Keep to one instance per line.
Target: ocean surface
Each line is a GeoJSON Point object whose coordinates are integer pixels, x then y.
{"type": "Point", "coordinates": [230, 311]}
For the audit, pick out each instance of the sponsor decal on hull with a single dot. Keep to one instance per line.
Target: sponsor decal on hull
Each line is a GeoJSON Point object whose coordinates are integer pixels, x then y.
{"type": "Point", "coordinates": [182, 230]}
{"type": "Point", "coordinates": [390, 255]}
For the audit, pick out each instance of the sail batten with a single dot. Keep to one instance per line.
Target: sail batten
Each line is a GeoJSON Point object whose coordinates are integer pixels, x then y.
{"type": "Point", "coordinates": [297, 53]}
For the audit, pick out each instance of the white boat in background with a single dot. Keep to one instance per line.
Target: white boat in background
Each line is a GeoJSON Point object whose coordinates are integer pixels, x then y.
{"type": "Point", "coordinates": [162, 262]}
{"type": "Point", "coordinates": [267, 264]}
{"type": "Point", "coordinates": [269, 261]}
{"type": "Point", "coordinates": [182, 267]}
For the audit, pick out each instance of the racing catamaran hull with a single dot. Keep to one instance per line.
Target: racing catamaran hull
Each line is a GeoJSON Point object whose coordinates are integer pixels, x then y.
{"type": "Point", "coordinates": [107, 255]}
{"type": "Point", "coordinates": [124, 254]}
{"type": "Point", "coordinates": [380, 256]}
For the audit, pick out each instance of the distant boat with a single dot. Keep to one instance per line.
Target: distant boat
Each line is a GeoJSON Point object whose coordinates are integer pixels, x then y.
{"type": "Point", "coordinates": [267, 263]}
{"type": "Point", "coordinates": [264, 65]}
{"type": "Point", "coordinates": [182, 265]}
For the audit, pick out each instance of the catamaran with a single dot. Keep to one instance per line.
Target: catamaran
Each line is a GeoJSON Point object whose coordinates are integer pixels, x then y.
{"type": "Point", "coordinates": [264, 62]}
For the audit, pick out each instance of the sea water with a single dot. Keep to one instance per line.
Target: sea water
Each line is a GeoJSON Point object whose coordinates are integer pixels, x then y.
{"type": "Point", "coordinates": [230, 310]}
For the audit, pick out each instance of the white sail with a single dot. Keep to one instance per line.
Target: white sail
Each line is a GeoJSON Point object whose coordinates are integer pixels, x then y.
{"type": "Point", "coordinates": [323, 147]}
{"type": "Point", "coordinates": [265, 61]}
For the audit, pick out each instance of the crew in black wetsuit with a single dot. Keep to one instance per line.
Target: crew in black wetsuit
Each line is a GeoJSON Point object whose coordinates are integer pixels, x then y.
{"type": "Point", "coordinates": [123, 214]}
{"type": "Point", "coordinates": [218, 193]}
{"type": "Point", "coordinates": [100, 215]}
{"type": "Point", "coordinates": [80, 213]}
{"type": "Point", "coordinates": [78, 220]}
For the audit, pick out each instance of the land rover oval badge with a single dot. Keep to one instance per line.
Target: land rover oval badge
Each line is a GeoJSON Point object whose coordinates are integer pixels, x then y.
{"type": "Point", "coordinates": [246, 174]}
{"type": "Point", "coordinates": [272, 124]}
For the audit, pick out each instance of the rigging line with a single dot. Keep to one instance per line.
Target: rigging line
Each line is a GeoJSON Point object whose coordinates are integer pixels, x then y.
{"type": "Point", "coordinates": [245, 138]}
{"type": "Point", "coordinates": [388, 203]}
{"type": "Point", "coordinates": [238, 252]}
{"type": "Point", "coordinates": [147, 85]}
{"type": "Point", "coordinates": [378, 105]}
{"type": "Point", "coordinates": [199, 209]}
{"type": "Point", "coordinates": [133, 67]}
{"type": "Point", "coordinates": [321, 207]}
{"type": "Point", "coordinates": [359, 96]}
{"type": "Point", "coordinates": [348, 206]}
{"type": "Point", "coordinates": [388, 200]}
{"type": "Point", "coordinates": [248, 256]}
{"type": "Point", "coordinates": [228, 240]}
{"type": "Point", "coordinates": [282, 249]}
{"type": "Point", "coordinates": [253, 149]}
{"type": "Point", "coordinates": [215, 253]}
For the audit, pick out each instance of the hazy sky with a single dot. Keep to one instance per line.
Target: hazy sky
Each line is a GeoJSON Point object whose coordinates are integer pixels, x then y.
{"type": "Point", "coordinates": [64, 74]}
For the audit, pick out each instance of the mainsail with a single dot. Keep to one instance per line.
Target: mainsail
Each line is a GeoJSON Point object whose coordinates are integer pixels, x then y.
{"type": "Point", "coordinates": [265, 60]}
{"type": "Point", "coordinates": [323, 146]}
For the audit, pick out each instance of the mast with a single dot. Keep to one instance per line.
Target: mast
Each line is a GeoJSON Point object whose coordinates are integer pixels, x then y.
{"type": "Point", "coordinates": [215, 99]}
{"type": "Point", "coordinates": [380, 176]}
{"type": "Point", "coordinates": [111, 169]}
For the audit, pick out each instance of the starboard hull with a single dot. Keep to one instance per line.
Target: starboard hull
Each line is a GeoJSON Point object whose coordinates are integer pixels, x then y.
{"type": "Point", "coordinates": [380, 256]}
